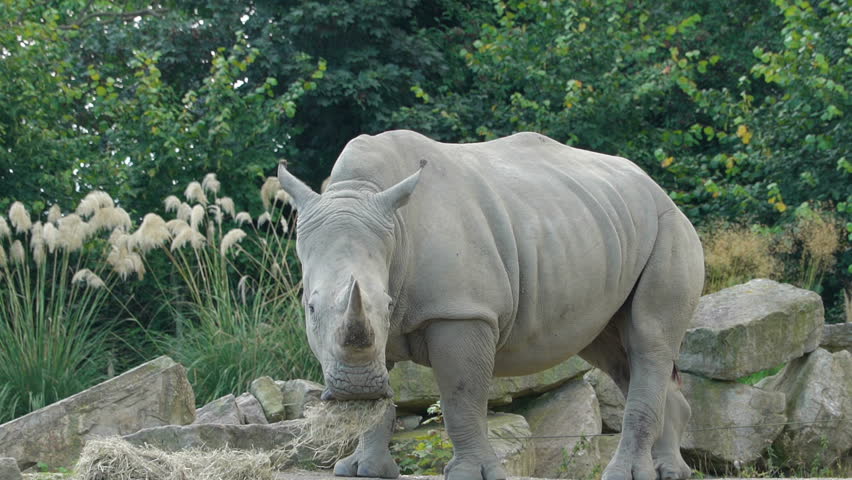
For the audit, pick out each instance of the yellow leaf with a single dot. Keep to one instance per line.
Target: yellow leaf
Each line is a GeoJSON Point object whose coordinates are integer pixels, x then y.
{"type": "Point", "coordinates": [715, 194]}
{"type": "Point", "coordinates": [582, 27]}
{"type": "Point", "coordinates": [780, 206]}
{"type": "Point", "coordinates": [744, 134]}
{"type": "Point", "coordinates": [668, 161]}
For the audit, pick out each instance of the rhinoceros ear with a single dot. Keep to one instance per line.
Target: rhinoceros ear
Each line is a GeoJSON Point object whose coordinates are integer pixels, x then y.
{"type": "Point", "coordinates": [300, 193]}
{"type": "Point", "coordinates": [398, 195]}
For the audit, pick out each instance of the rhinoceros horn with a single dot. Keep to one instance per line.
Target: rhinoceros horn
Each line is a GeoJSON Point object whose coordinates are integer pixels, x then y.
{"type": "Point", "coordinates": [398, 195]}
{"type": "Point", "coordinates": [300, 193]}
{"type": "Point", "coordinates": [357, 332]}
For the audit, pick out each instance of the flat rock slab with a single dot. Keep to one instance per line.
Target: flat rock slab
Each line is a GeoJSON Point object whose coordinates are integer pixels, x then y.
{"type": "Point", "coordinates": [751, 327]}
{"type": "Point", "coordinates": [172, 438]}
{"type": "Point", "coordinates": [837, 337]}
{"type": "Point", "coordinates": [154, 393]}
{"type": "Point", "coordinates": [415, 388]}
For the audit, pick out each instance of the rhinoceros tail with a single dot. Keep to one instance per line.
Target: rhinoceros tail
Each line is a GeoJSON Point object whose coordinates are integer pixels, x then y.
{"type": "Point", "coordinates": [676, 375]}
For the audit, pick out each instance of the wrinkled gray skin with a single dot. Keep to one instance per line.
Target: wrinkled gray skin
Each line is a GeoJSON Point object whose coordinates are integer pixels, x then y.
{"type": "Point", "coordinates": [498, 258]}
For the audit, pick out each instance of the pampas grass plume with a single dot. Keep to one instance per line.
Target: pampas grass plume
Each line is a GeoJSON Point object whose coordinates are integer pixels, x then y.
{"type": "Point", "coordinates": [282, 197]}
{"type": "Point", "coordinates": [267, 192]}
{"type": "Point", "coordinates": [73, 231]}
{"type": "Point", "coordinates": [37, 243]}
{"type": "Point", "coordinates": [210, 183]}
{"type": "Point", "coordinates": [54, 214]}
{"type": "Point", "coordinates": [16, 252]}
{"type": "Point", "coordinates": [93, 201]}
{"type": "Point", "coordinates": [230, 239]}
{"type": "Point", "coordinates": [4, 229]}
{"type": "Point", "coordinates": [196, 217]}
{"type": "Point", "coordinates": [177, 226]}
{"type": "Point", "coordinates": [50, 235]}
{"type": "Point", "coordinates": [188, 235]}
{"type": "Point", "coordinates": [263, 219]}
{"type": "Point", "coordinates": [184, 212]}
{"type": "Point", "coordinates": [284, 225]}
{"type": "Point", "coordinates": [172, 203]}
{"type": "Point", "coordinates": [2, 256]}
{"type": "Point", "coordinates": [151, 234]}
{"type": "Point", "coordinates": [217, 214]}
{"type": "Point", "coordinates": [242, 218]}
{"type": "Point", "coordinates": [88, 277]}
{"type": "Point", "coordinates": [109, 218]}
{"type": "Point", "coordinates": [19, 217]}
{"type": "Point", "coordinates": [194, 193]}
{"type": "Point", "coordinates": [227, 205]}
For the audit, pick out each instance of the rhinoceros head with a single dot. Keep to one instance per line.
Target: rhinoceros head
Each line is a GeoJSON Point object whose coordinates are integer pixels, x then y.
{"type": "Point", "coordinates": [345, 240]}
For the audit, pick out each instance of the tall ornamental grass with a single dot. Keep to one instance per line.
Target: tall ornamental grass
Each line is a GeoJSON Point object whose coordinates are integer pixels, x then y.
{"type": "Point", "coordinates": [237, 310]}
{"type": "Point", "coordinates": [52, 341]}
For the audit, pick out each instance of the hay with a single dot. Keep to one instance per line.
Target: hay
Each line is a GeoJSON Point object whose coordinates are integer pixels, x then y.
{"type": "Point", "coordinates": [115, 459]}
{"type": "Point", "coordinates": [329, 431]}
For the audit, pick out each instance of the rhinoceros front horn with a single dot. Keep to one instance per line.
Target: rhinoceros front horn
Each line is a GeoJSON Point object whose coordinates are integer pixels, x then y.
{"type": "Point", "coordinates": [398, 195]}
{"type": "Point", "coordinates": [300, 193]}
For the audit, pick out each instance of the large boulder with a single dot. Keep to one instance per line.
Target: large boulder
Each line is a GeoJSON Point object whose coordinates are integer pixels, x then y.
{"type": "Point", "coordinates": [297, 395]}
{"type": "Point", "coordinates": [610, 399]}
{"type": "Point", "coordinates": [508, 434]}
{"type": "Point", "coordinates": [751, 327]}
{"type": "Point", "coordinates": [250, 410]}
{"type": "Point", "coordinates": [570, 411]}
{"type": "Point", "coordinates": [222, 411]}
{"type": "Point", "coordinates": [270, 397]}
{"type": "Point", "coordinates": [717, 406]}
{"type": "Point", "coordinates": [837, 337]}
{"type": "Point", "coordinates": [152, 394]}
{"type": "Point", "coordinates": [415, 388]}
{"type": "Point", "coordinates": [818, 388]}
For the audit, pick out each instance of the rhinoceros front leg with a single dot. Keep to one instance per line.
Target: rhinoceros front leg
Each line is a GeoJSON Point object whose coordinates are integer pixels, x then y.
{"type": "Point", "coordinates": [372, 457]}
{"type": "Point", "coordinates": [462, 357]}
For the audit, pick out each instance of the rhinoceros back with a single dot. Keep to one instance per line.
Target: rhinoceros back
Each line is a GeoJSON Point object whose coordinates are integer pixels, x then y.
{"type": "Point", "coordinates": [542, 241]}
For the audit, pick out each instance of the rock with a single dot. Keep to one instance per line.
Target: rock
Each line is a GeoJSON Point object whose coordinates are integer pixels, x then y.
{"type": "Point", "coordinates": [251, 412]}
{"type": "Point", "coordinates": [9, 469]}
{"type": "Point", "coordinates": [727, 404]}
{"type": "Point", "coordinates": [297, 395]}
{"type": "Point", "coordinates": [610, 399]}
{"type": "Point", "coordinates": [508, 433]}
{"type": "Point", "coordinates": [819, 404]}
{"type": "Point", "coordinates": [607, 445]}
{"type": "Point", "coordinates": [408, 422]}
{"type": "Point", "coordinates": [751, 327]}
{"type": "Point", "coordinates": [572, 409]}
{"type": "Point", "coordinates": [152, 394]}
{"type": "Point", "coordinates": [222, 411]}
{"type": "Point", "coordinates": [270, 397]}
{"type": "Point", "coordinates": [837, 337]}
{"type": "Point", "coordinates": [172, 438]}
{"type": "Point", "coordinates": [415, 388]}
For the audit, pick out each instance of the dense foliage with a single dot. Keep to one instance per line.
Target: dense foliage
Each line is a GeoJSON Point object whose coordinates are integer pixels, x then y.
{"type": "Point", "coordinates": [738, 109]}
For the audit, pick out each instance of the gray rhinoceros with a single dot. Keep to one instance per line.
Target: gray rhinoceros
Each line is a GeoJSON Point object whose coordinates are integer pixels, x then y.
{"type": "Point", "coordinates": [507, 258]}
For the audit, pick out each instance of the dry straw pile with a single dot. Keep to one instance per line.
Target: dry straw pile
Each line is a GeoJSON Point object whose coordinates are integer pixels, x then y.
{"type": "Point", "coordinates": [328, 432]}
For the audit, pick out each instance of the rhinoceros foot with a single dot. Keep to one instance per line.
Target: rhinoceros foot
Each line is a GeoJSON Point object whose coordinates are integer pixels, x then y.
{"type": "Point", "coordinates": [473, 469]}
{"type": "Point", "coordinates": [627, 468]}
{"type": "Point", "coordinates": [367, 464]}
{"type": "Point", "coordinates": [672, 468]}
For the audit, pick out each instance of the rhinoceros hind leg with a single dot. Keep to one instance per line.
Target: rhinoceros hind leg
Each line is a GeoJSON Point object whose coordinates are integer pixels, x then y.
{"type": "Point", "coordinates": [372, 458]}
{"type": "Point", "coordinates": [657, 317]}
{"type": "Point", "coordinates": [666, 451]}
{"type": "Point", "coordinates": [462, 357]}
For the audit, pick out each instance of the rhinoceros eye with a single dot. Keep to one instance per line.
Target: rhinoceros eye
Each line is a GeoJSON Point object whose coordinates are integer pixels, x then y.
{"type": "Point", "coordinates": [311, 309]}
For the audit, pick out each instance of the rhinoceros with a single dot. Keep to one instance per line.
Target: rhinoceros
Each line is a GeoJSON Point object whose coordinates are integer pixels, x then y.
{"type": "Point", "coordinates": [490, 259]}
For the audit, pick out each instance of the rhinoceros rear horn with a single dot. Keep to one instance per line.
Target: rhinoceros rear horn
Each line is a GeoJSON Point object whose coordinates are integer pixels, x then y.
{"type": "Point", "coordinates": [398, 195]}
{"type": "Point", "coordinates": [300, 193]}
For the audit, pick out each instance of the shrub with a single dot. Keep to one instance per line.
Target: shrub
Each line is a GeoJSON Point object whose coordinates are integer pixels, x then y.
{"type": "Point", "coordinates": [734, 254]}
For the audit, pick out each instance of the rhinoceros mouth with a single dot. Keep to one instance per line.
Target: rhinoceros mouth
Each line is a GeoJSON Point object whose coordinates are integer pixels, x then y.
{"type": "Point", "coordinates": [363, 382]}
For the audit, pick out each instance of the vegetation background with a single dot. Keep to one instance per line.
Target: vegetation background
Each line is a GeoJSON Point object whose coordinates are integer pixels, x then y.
{"type": "Point", "coordinates": [738, 109]}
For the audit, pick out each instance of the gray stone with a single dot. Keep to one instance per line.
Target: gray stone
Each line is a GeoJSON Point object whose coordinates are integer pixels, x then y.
{"type": "Point", "coordinates": [717, 404]}
{"type": "Point", "coordinates": [751, 327]}
{"type": "Point", "coordinates": [171, 438]}
{"type": "Point", "coordinates": [297, 395]}
{"type": "Point", "coordinates": [508, 434]}
{"type": "Point", "coordinates": [270, 397]}
{"type": "Point", "coordinates": [9, 469]}
{"type": "Point", "coordinates": [250, 410]}
{"type": "Point", "coordinates": [570, 410]}
{"type": "Point", "coordinates": [408, 422]}
{"type": "Point", "coordinates": [415, 388]}
{"type": "Point", "coordinates": [152, 394]}
{"type": "Point", "coordinates": [837, 337]}
{"type": "Point", "coordinates": [222, 411]}
{"type": "Point", "coordinates": [819, 404]}
{"type": "Point", "coordinates": [610, 399]}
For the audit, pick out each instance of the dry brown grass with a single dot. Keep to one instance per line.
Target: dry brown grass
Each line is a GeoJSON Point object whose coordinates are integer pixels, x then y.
{"type": "Point", "coordinates": [819, 238]}
{"type": "Point", "coordinates": [735, 254]}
